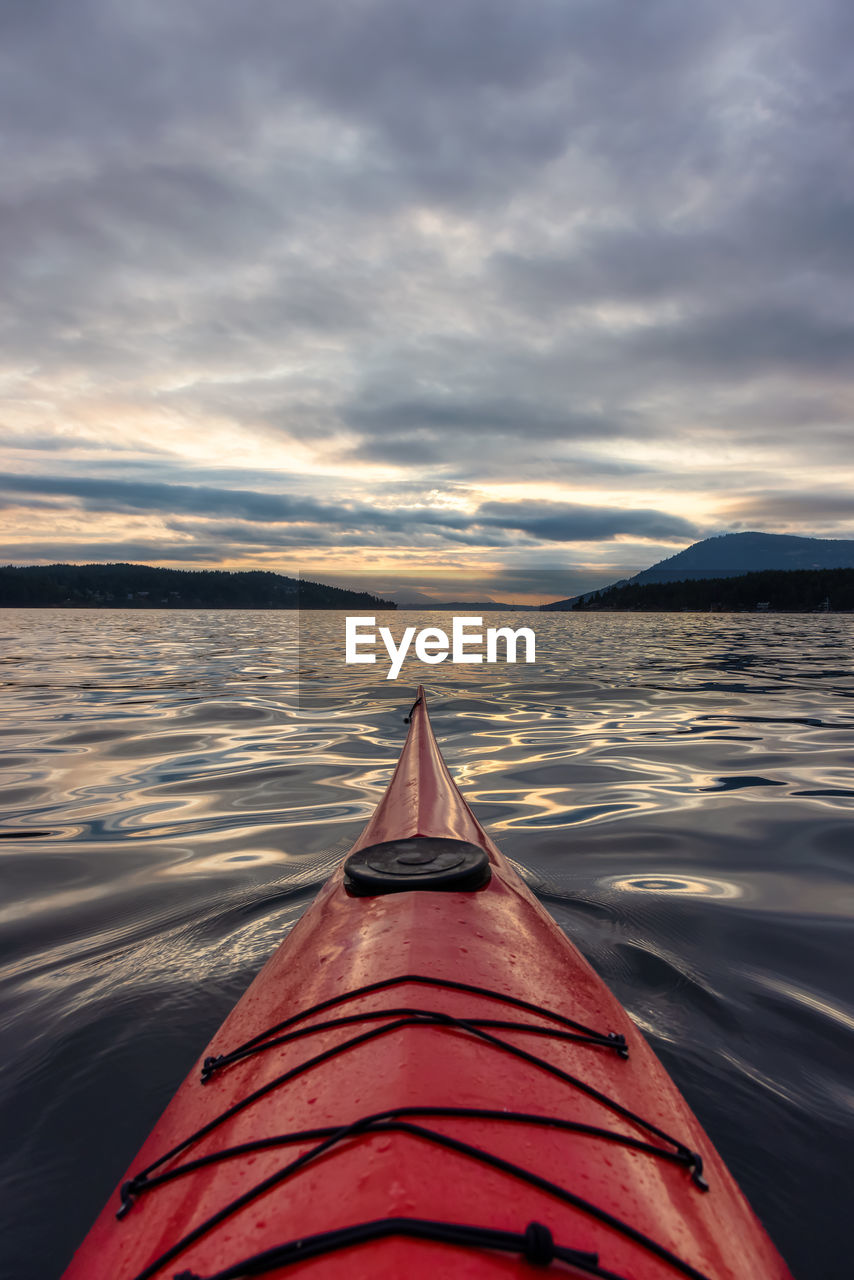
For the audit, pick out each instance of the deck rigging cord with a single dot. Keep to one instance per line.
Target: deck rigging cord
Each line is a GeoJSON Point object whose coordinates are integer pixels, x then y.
{"type": "Point", "coordinates": [399, 1121]}
{"type": "Point", "coordinates": [536, 1245]}
{"type": "Point", "coordinates": [608, 1040]}
{"type": "Point", "coordinates": [417, 703]}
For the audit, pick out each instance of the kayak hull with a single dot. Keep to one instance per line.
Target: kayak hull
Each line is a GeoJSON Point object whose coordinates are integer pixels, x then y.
{"type": "Point", "coordinates": [420, 1045]}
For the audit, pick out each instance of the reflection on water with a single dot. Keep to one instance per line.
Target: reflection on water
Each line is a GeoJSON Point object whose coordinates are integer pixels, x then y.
{"type": "Point", "coordinates": [678, 789]}
{"type": "Point", "coordinates": [692, 886]}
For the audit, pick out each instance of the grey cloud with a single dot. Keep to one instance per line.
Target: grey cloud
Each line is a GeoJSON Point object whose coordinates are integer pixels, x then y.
{"type": "Point", "coordinates": [627, 263]}
{"type": "Point", "coordinates": [556, 522]}
{"type": "Point", "coordinates": [110, 495]}
{"type": "Point", "coordinates": [31, 503]}
{"type": "Point", "coordinates": [360, 531]}
{"type": "Point", "coordinates": [493, 523]}
{"type": "Point", "coordinates": [750, 341]}
{"type": "Point", "coordinates": [416, 448]}
{"type": "Point", "coordinates": [35, 442]}
{"type": "Point", "coordinates": [803, 239]}
{"type": "Point", "coordinates": [383, 62]}
{"type": "Point", "coordinates": [110, 552]}
{"type": "Point", "coordinates": [425, 225]}
{"type": "Point", "coordinates": [476, 457]}
{"type": "Point", "coordinates": [820, 507]}
{"type": "Point", "coordinates": [479, 416]}
{"type": "Point", "coordinates": [39, 443]}
{"type": "Point", "coordinates": [124, 495]}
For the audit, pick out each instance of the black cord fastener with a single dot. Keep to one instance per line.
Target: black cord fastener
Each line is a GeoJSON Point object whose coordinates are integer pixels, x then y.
{"type": "Point", "coordinates": [540, 1247]}
{"type": "Point", "coordinates": [535, 1245]}
{"type": "Point", "coordinates": [416, 703]}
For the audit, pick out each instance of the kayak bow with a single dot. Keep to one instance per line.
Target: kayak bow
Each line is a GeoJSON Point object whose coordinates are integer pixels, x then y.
{"type": "Point", "coordinates": [427, 1079]}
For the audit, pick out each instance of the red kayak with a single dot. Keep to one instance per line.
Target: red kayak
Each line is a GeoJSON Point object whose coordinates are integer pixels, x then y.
{"type": "Point", "coordinates": [427, 1079]}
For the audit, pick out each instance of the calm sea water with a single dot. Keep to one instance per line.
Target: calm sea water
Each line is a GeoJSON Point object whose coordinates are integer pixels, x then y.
{"type": "Point", "coordinates": [679, 789]}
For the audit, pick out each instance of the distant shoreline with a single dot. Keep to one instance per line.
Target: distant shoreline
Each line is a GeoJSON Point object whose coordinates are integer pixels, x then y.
{"type": "Point", "coordinates": [762, 591]}
{"type": "Point", "coordinates": [145, 587]}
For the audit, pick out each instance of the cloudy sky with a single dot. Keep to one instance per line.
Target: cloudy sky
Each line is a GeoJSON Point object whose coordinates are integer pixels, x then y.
{"type": "Point", "coordinates": [418, 289]}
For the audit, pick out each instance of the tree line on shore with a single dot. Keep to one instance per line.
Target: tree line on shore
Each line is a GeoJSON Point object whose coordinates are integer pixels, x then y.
{"type": "Point", "coordinates": [775, 590]}
{"type": "Point", "coordinates": [139, 586]}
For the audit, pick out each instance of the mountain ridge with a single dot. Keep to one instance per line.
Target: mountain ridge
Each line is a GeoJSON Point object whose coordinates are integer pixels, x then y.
{"type": "Point", "coordinates": [730, 555]}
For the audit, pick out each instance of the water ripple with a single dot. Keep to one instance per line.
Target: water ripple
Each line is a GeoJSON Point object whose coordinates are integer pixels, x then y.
{"type": "Point", "coordinates": [678, 790]}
